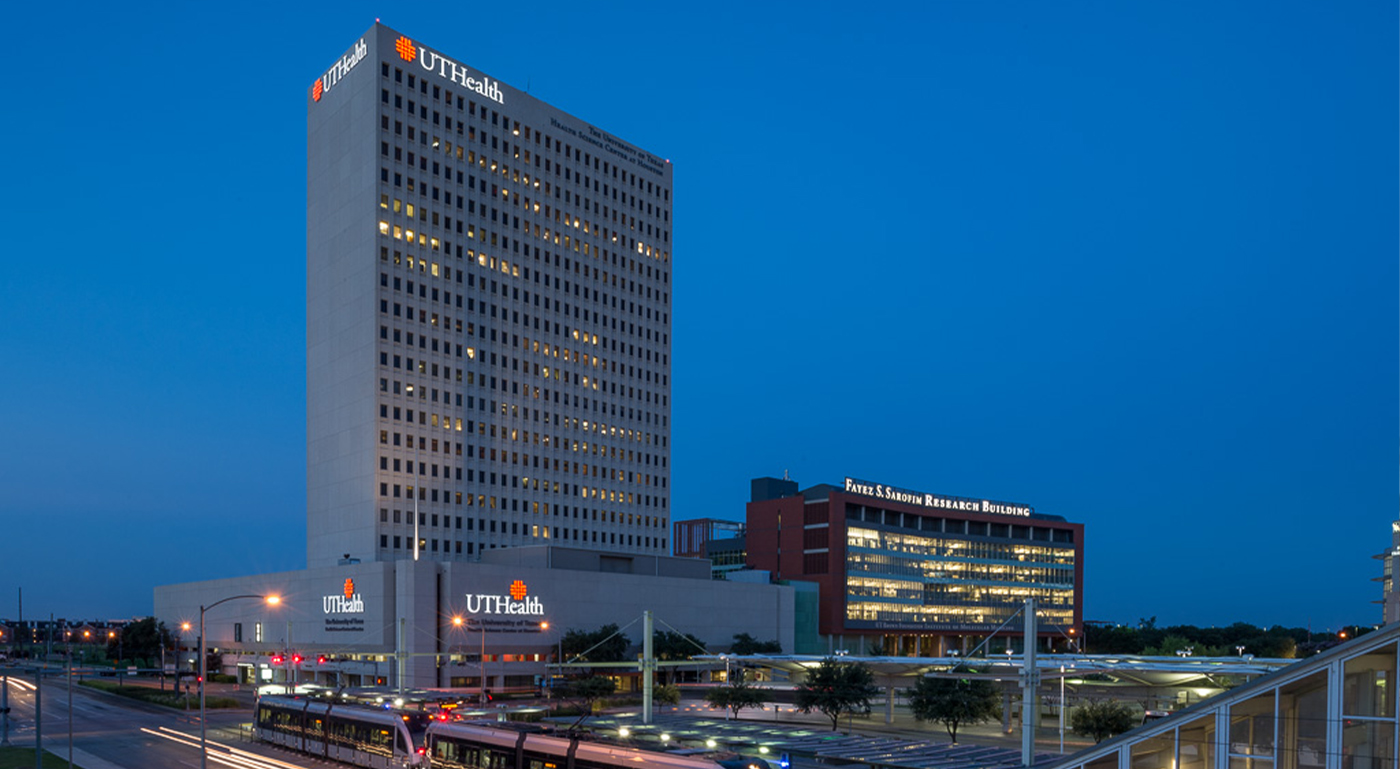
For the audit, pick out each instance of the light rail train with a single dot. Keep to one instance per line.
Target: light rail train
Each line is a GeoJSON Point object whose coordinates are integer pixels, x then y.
{"type": "Point", "coordinates": [387, 739]}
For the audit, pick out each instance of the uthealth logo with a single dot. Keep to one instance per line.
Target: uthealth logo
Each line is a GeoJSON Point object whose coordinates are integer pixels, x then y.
{"type": "Point", "coordinates": [348, 602]}
{"type": "Point", "coordinates": [339, 70]}
{"type": "Point", "coordinates": [514, 603]}
{"type": "Point", "coordinates": [449, 69]}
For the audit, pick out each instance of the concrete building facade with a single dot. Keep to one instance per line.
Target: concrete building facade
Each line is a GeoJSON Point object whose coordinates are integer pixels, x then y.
{"type": "Point", "coordinates": [488, 318]}
{"type": "Point", "coordinates": [438, 624]}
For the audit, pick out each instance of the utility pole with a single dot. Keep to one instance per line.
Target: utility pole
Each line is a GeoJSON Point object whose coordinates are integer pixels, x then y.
{"type": "Point", "coordinates": [1030, 688]}
{"type": "Point", "coordinates": [39, 716]}
{"type": "Point", "coordinates": [648, 666]}
{"type": "Point", "coordinates": [69, 668]}
{"type": "Point", "coordinates": [398, 654]}
{"type": "Point", "coordinates": [4, 710]}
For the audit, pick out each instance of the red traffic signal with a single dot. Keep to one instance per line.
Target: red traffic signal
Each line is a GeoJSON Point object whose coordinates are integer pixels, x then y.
{"type": "Point", "coordinates": [321, 659]}
{"type": "Point", "coordinates": [277, 659]}
{"type": "Point", "coordinates": [296, 659]}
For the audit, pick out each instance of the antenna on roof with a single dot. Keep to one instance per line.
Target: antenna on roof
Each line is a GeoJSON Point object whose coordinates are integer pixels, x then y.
{"type": "Point", "coordinates": [785, 475]}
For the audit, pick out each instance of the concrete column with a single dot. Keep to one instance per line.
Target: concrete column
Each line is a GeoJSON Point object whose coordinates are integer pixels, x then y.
{"type": "Point", "coordinates": [889, 704]}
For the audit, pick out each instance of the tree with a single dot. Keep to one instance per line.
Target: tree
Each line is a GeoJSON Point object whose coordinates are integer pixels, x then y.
{"type": "Point", "coordinates": [736, 695]}
{"type": "Point", "coordinates": [1102, 719]}
{"type": "Point", "coordinates": [667, 645]}
{"type": "Point", "coordinates": [605, 644]}
{"type": "Point", "coordinates": [141, 639]}
{"type": "Point", "coordinates": [747, 644]}
{"type": "Point", "coordinates": [586, 692]}
{"type": "Point", "coordinates": [1174, 643]}
{"type": "Point", "coordinates": [954, 702]}
{"type": "Point", "coordinates": [1115, 639]}
{"type": "Point", "coordinates": [834, 688]}
{"type": "Point", "coordinates": [666, 694]}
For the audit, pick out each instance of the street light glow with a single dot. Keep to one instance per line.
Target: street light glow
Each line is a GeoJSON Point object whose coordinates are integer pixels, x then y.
{"type": "Point", "coordinates": [274, 599]}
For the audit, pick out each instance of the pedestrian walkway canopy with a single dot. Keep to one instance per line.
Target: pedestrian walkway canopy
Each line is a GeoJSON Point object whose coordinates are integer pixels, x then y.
{"type": "Point", "coordinates": [1134, 669]}
{"type": "Point", "coordinates": [1333, 711]}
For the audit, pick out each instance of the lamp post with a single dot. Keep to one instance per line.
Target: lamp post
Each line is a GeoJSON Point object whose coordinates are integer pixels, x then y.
{"type": "Point", "coordinates": [271, 600]}
{"type": "Point", "coordinates": [69, 676]}
{"type": "Point", "coordinates": [414, 438]}
{"type": "Point", "coordinates": [184, 628]}
{"type": "Point", "coordinates": [1062, 710]}
{"type": "Point", "coordinates": [457, 621]}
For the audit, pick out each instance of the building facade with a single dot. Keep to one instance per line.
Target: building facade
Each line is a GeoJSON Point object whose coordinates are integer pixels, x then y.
{"type": "Point", "coordinates": [917, 573]}
{"type": "Point", "coordinates": [488, 318]}
{"type": "Point", "coordinates": [433, 624]}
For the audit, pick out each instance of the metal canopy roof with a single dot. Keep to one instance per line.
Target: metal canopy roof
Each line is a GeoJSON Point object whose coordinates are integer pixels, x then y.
{"type": "Point", "coordinates": [1150, 671]}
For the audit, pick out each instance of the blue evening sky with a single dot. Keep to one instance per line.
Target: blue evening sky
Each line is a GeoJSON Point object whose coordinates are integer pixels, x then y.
{"type": "Point", "coordinates": [1134, 264]}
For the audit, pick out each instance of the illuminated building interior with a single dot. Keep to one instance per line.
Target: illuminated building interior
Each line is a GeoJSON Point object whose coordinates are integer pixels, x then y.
{"type": "Point", "coordinates": [896, 577]}
{"type": "Point", "coordinates": [912, 573]}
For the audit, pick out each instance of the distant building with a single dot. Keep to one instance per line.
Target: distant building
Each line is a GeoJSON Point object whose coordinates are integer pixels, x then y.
{"type": "Point", "coordinates": [915, 573]}
{"type": "Point", "coordinates": [720, 542]}
{"type": "Point", "coordinates": [1390, 560]}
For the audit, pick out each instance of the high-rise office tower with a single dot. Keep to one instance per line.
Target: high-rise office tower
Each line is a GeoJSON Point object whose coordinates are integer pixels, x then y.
{"type": "Point", "coordinates": [488, 317]}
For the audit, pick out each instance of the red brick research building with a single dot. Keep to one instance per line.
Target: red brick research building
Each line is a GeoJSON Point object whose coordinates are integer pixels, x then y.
{"type": "Point", "coordinates": [914, 572]}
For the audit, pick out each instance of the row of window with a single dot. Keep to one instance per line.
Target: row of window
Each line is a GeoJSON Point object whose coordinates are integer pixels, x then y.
{"type": "Point", "coordinates": [405, 517]}
{"type": "Point", "coordinates": [470, 107]}
{"type": "Point", "coordinates": [604, 431]}
{"type": "Point", "coordinates": [501, 174]}
{"type": "Point", "coordinates": [455, 547]}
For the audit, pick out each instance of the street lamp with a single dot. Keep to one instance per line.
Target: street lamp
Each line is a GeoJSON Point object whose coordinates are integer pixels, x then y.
{"type": "Point", "coordinates": [457, 621]}
{"type": "Point", "coordinates": [271, 600]}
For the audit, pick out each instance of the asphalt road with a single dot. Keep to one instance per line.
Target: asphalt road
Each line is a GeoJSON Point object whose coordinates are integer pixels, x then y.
{"type": "Point", "coordinates": [111, 732]}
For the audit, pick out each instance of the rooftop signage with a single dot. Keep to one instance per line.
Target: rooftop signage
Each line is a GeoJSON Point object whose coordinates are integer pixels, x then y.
{"type": "Point", "coordinates": [921, 499]}
{"type": "Point", "coordinates": [456, 72]}
{"type": "Point", "coordinates": [339, 70]}
{"type": "Point", "coordinates": [517, 601]}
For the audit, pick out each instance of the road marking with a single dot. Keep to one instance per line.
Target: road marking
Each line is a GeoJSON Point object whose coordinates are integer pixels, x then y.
{"type": "Point", "coordinates": [233, 757]}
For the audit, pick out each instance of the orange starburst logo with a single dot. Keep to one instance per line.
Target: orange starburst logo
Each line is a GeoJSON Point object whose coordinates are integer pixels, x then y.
{"type": "Point", "coordinates": [349, 588]}
{"type": "Point", "coordinates": [517, 590]}
{"type": "Point", "coordinates": [405, 48]}
{"type": "Point", "coordinates": [316, 90]}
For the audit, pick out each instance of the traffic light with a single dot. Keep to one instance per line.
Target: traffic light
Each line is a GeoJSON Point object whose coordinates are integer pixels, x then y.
{"type": "Point", "coordinates": [277, 659]}
{"type": "Point", "coordinates": [296, 659]}
{"type": "Point", "coordinates": [321, 659]}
